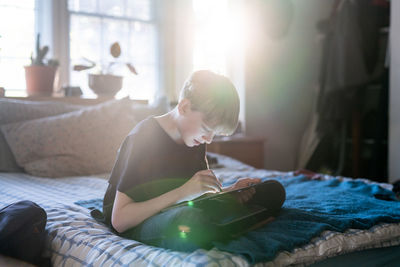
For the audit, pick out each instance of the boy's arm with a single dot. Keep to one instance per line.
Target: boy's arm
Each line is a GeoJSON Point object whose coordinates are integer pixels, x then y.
{"type": "Point", "coordinates": [127, 213]}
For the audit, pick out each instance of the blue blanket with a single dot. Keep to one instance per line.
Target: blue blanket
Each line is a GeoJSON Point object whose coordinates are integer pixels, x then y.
{"type": "Point", "coordinates": [311, 207]}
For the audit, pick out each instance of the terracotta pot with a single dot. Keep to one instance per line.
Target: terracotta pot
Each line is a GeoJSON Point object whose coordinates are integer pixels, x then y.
{"type": "Point", "coordinates": [40, 79]}
{"type": "Point", "coordinates": [105, 84]}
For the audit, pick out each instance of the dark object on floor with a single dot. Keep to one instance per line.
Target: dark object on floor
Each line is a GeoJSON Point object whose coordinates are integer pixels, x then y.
{"type": "Point", "coordinates": [22, 232]}
{"type": "Point", "coordinates": [72, 90]}
{"type": "Point", "coordinates": [385, 197]}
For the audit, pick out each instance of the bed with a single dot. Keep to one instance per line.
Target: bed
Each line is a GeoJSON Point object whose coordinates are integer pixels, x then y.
{"type": "Point", "coordinates": [76, 239]}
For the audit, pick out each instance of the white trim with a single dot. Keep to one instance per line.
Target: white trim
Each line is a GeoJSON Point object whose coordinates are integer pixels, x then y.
{"type": "Point", "coordinates": [52, 22]}
{"type": "Point", "coordinates": [394, 108]}
{"type": "Point", "coordinates": [60, 38]}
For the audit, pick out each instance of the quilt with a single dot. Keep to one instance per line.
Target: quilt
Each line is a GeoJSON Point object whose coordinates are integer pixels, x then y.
{"type": "Point", "coordinates": [77, 239]}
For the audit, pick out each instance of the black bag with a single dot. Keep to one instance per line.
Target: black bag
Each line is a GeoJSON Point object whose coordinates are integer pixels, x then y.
{"type": "Point", "coordinates": [22, 231]}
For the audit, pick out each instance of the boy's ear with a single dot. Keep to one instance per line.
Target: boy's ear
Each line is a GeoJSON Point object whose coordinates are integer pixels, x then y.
{"type": "Point", "coordinates": [184, 106]}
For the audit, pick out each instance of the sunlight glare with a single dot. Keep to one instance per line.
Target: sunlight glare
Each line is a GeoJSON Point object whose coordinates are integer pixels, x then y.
{"type": "Point", "coordinates": [218, 35]}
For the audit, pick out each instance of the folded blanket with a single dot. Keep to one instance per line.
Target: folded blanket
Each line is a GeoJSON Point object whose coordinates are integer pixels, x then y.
{"type": "Point", "coordinates": [311, 207]}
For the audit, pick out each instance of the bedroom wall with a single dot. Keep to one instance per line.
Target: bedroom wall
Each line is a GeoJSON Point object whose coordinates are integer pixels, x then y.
{"type": "Point", "coordinates": [394, 99]}
{"type": "Point", "coordinates": [281, 77]}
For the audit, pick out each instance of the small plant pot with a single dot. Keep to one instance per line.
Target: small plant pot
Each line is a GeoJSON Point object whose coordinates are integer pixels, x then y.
{"type": "Point", "coordinates": [40, 80]}
{"type": "Point", "coordinates": [105, 84]}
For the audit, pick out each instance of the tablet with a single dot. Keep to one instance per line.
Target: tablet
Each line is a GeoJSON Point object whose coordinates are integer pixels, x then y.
{"type": "Point", "coordinates": [268, 187]}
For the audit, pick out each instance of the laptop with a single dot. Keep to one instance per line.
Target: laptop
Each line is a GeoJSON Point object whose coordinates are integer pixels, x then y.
{"type": "Point", "coordinates": [225, 210]}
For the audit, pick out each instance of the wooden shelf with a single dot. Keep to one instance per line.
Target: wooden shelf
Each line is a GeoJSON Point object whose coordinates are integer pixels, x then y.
{"type": "Point", "coordinates": [249, 150]}
{"type": "Point", "coordinates": [73, 99]}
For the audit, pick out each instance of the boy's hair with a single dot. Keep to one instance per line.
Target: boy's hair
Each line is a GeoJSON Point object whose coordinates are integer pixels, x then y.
{"type": "Point", "coordinates": [216, 97]}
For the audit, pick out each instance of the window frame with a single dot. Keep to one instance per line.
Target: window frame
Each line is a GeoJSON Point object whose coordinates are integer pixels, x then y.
{"type": "Point", "coordinates": [154, 21]}
{"type": "Point", "coordinates": [52, 21]}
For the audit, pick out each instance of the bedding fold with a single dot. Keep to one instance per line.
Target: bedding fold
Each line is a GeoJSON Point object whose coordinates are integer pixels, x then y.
{"type": "Point", "coordinates": [311, 207]}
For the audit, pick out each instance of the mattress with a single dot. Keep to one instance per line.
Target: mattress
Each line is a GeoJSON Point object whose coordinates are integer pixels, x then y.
{"type": "Point", "coordinates": [76, 239]}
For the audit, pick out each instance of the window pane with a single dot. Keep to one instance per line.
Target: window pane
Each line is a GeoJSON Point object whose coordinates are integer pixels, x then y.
{"type": "Point", "coordinates": [13, 25]}
{"type": "Point", "coordinates": [136, 9]}
{"type": "Point", "coordinates": [92, 37]}
{"type": "Point", "coordinates": [112, 8]}
{"type": "Point", "coordinates": [13, 73]}
{"type": "Point", "coordinates": [141, 86]}
{"type": "Point", "coordinates": [85, 38]}
{"type": "Point", "coordinates": [143, 43]}
{"type": "Point", "coordinates": [140, 9]}
{"type": "Point", "coordinates": [29, 4]}
{"type": "Point", "coordinates": [85, 42]}
{"type": "Point", "coordinates": [89, 6]}
{"type": "Point", "coordinates": [17, 19]}
{"type": "Point", "coordinates": [143, 55]}
{"type": "Point", "coordinates": [116, 31]}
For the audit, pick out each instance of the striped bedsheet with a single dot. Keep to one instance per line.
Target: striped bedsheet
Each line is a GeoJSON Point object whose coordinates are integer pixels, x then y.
{"type": "Point", "coordinates": [75, 239]}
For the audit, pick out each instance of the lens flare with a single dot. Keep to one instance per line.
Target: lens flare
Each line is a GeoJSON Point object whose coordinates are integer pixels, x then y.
{"type": "Point", "coordinates": [183, 231]}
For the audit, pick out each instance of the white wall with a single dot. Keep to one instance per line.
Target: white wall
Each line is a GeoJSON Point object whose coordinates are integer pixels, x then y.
{"type": "Point", "coordinates": [281, 76]}
{"type": "Point", "coordinates": [394, 94]}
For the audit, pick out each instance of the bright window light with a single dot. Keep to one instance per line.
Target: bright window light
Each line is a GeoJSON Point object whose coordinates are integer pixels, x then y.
{"type": "Point", "coordinates": [218, 38]}
{"type": "Point", "coordinates": [17, 42]}
{"type": "Point", "coordinates": [95, 25]}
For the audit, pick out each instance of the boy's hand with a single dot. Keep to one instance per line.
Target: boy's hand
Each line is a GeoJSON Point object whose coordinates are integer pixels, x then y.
{"type": "Point", "coordinates": [202, 182]}
{"type": "Point", "coordinates": [244, 182]}
{"type": "Point", "coordinates": [245, 195]}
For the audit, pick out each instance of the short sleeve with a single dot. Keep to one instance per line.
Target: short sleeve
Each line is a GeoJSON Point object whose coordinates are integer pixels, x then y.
{"type": "Point", "coordinates": [132, 165]}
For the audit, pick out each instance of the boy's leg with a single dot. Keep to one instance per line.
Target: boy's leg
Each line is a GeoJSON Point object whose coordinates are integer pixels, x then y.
{"type": "Point", "coordinates": [181, 228]}
{"type": "Point", "coordinates": [188, 228]}
{"type": "Point", "coordinates": [271, 195]}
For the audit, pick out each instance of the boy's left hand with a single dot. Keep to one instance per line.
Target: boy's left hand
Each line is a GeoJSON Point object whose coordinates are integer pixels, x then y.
{"type": "Point", "coordinates": [245, 195]}
{"type": "Point", "coordinates": [245, 182]}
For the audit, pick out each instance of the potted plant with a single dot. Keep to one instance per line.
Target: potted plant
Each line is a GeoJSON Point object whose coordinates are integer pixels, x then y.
{"type": "Point", "coordinates": [106, 83]}
{"type": "Point", "coordinates": [40, 74]}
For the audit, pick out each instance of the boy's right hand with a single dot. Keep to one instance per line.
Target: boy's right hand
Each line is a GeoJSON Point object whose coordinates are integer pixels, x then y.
{"type": "Point", "coordinates": [202, 182]}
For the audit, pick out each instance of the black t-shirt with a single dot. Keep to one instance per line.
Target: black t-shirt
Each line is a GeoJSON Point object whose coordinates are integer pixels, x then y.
{"type": "Point", "coordinates": [150, 163]}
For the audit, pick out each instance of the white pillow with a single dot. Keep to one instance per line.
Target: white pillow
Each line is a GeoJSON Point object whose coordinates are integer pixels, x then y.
{"type": "Point", "coordinates": [81, 142]}
{"type": "Point", "coordinates": [13, 110]}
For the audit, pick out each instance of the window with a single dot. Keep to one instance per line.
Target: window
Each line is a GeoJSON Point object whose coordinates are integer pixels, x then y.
{"type": "Point", "coordinates": [17, 41]}
{"type": "Point", "coordinates": [95, 25]}
{"type": "Point", "coordinates": [87, 30]}
{"type": "Point", "coordinates": [218, 38]}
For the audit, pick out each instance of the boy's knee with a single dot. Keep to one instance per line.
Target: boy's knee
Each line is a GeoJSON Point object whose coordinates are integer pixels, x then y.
{"type": "Point", "coordinates": [189, 230]}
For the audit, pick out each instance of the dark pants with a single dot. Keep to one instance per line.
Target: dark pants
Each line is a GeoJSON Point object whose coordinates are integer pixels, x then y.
{"type": "Point", "coordinates": [183, 229]}
{"type": "Point", "coordinates": [187, 228]}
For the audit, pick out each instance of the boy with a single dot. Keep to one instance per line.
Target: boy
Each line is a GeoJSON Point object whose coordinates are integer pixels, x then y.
{"type": "Point", "coordinates": [163, 160]}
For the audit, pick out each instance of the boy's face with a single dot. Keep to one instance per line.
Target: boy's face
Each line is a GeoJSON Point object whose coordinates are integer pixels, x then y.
{"type": "Point", "coordinates": [194, 131]}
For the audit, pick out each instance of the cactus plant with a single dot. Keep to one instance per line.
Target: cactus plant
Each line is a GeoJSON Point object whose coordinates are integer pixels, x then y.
{"type": "Point", "coordinates": [40, 75]}
{"type": "Point", "coordinates": [41, 53]}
